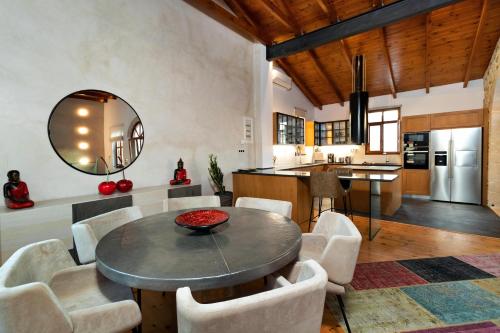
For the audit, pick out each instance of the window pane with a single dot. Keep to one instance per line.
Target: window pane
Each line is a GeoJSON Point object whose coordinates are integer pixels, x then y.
{"type": "Point", "coordinates": [391, 115]}
{"type": "Point", "coordinates": [374, 117]}
{"type": "Point", "coordinates": [391, 138]}
{"type": "Point", "coordinates": [375, 138]}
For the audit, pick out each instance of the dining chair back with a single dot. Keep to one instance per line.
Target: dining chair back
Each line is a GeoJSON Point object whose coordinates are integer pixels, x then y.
{"type": "Point", "coordinates": [43, 290]}
{"type": "Point", "coordinates": [293, 306]}
{"type": "Point", "coordinates": [87, 233]}
{"type": "Point", "coordinates": [275, 206]}
{"type": "Point", "coordinates": [334, 243]}
{"type": "Point", "coordinates": [191, 202]}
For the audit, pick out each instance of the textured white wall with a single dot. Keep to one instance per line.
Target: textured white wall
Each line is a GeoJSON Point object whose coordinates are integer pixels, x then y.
{"type": "Point", "coordinates": [188, 77]}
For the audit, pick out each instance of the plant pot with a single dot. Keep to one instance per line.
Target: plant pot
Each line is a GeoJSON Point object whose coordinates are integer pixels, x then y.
{"type": "Point", "coordinates": [226, 198]}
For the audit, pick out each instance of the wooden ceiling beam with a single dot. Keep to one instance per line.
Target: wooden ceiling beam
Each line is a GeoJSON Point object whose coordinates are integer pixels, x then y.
{"type": "Point", "coordinates": [322, 72]}
{"type": "Point", "coordinates": [427, 70]}
{"type": "Point", "coordinates": [314, 57]}
{"type": "Point", "coordinates": [329, 9]}
{"type": "Point", "coordinates": [480, 25]}
{"type": "Point", "coordinates": [374, 19]}
{"type": "Point", "coordinates": [285, 65]}
{"type": "Point", "coordinates": [388, 62]}
{"type": "Point", "coordinates": [330, 12]}
{"type": "Point", "coordinates": [221, 15]}
{"type": "Point", "coordinates": [284, 18]}
{"type": "Point", "coordinates": [237, 8]}
{"type": "Point", "coordinates": [385, 49]}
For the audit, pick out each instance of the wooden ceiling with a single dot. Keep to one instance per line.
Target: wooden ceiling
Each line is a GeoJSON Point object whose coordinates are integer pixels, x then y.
{"type": "Point", "coordinates": [449, 45]}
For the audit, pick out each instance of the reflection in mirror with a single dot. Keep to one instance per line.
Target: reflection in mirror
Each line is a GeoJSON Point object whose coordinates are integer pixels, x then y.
{"type": "Point", "coordinates": [90, 129]}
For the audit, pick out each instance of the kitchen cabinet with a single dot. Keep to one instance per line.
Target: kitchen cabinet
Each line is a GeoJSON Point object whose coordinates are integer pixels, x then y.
{"type": "Point", "coordinates": [420, 123]}
{"type": "Point", "coordinates": [331, 133]}
{"type": "Point", "coordinates": [310, 133]}
{"type": "Point", "coordinates": [416, 182]}
{"type": "Point", "coordinates": [457, 119]}
{"type": "Point", "coordinates": [288, 130]}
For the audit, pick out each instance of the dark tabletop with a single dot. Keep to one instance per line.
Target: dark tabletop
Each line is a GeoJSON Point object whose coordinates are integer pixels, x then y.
{"type": "Point", "coordinates": [154, 253]}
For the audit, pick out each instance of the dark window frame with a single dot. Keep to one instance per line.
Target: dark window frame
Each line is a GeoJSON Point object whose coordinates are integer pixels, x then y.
{"type": "Point", "coordinates": [381, 124]}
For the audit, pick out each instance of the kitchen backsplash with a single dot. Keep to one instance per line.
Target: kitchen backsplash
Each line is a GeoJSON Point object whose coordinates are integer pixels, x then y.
{"type": "Point", "coordinates": [285, 154]}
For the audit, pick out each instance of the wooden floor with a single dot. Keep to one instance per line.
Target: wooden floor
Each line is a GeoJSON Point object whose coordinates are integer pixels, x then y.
{"type": "Point", "coordinates": [395, 241]}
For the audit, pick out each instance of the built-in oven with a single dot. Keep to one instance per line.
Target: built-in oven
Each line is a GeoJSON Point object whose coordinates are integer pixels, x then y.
{"type": "Point", "coordinates": [416, 159]}
{"type": "Point", "coordinates": [418, 141]}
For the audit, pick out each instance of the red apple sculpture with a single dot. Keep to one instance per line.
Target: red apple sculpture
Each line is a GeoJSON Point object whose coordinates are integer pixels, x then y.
{"type": "Point", "coordinates": [107, 187]}
{"type": "Point", "coordinates": [124, 185]}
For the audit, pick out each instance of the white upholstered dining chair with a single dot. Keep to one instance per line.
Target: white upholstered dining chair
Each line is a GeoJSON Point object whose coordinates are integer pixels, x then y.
{"type": "Point", "coordinates": [87, 233]}
{"type": "Point", "coordinates": [276, 206]}
{"type": "Point", "coordinates": [43, 290]}
{"type": "Point", "coordinates": [191, 202]}
{"type": "Point", "coordinates": [294, 305]}
{"type": "Point", "coordinates": [334, 243]}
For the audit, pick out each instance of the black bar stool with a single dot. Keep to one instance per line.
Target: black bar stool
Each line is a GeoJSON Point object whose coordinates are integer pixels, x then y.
{"type": "Point", "coordinates": [323, 185]}
{"type": "Point", "coordinates": [346, 185]}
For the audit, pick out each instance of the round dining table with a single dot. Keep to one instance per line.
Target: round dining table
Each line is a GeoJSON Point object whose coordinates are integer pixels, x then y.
{"type": "Point", "coordinates": [154, 253]}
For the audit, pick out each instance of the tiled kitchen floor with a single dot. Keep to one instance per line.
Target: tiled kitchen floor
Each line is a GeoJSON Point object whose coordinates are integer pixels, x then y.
{"type": "Point", "coordinates": [465, 218]}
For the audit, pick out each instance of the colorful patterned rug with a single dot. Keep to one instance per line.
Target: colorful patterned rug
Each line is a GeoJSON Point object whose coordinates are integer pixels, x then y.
{"type": "Point", "coordinates": [434, 295]}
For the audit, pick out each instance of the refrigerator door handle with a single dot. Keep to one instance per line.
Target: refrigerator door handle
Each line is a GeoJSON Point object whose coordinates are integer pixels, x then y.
{"type": "Point", "coordinates": [450, 159]}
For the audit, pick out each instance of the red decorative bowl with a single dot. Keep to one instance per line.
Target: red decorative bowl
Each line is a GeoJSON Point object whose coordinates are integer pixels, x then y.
{"type": "Point", "coordinates": [203, 219]}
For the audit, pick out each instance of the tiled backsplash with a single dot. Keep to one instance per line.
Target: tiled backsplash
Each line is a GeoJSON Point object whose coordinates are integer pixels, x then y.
{"type": "Point", "coordinates": [285, 154]}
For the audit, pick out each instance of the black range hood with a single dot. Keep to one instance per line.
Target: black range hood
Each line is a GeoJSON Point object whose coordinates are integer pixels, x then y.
{"type": "Point", "coordinates": [358, 101]}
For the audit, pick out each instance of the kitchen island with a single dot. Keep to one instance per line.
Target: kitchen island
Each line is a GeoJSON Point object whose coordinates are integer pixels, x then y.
{"type": "Point", "coordinates": [379, 184]}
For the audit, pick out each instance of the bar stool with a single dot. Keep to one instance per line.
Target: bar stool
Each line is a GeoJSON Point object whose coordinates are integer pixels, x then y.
{"type": "Point", "coordinates": [346, 186]}
{"type": "Point", "coordinates": [323, 185]}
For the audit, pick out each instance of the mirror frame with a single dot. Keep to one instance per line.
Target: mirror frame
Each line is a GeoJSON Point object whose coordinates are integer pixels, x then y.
{"type": "Point", "coordinates": [73, 167]}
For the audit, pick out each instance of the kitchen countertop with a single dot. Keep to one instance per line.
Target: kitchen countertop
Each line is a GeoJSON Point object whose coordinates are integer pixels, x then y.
{"type": "Point", "coordinates": [290, 170]}
{"type": "Point", "coordinates": [352, 176]}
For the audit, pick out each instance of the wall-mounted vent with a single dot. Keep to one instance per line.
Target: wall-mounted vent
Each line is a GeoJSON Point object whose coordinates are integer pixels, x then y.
{"type": "Point", "coordinates": [282, 80]}
{"type": "Point", "coordinates": [299, 112]}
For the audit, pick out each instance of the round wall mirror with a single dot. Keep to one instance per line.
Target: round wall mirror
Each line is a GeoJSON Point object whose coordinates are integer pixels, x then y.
{"type": "Point", "coordinates": [93, 130]}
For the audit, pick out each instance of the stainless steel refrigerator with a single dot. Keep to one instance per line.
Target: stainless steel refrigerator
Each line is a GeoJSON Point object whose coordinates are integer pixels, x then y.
{"type": "Point", "coordinates": [456, 165]}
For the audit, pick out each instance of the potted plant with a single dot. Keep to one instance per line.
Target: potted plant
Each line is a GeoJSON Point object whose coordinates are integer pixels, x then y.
{"type": "Point", "coordinates": [217, 177]}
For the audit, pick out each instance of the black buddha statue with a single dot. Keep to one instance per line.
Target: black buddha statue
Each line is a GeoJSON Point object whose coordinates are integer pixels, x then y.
{"type": "Point", "coordinates": [15, 192]}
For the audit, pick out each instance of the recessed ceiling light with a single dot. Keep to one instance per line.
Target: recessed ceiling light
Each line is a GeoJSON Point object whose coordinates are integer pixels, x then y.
{"type": "Point", "coordinates": [83, 145]}
{"type": "Point", "coordinates": [82, 112]}
{"type": "Point", "coordinates": [82, 130]}
{"type": "Point", "coordinates": [84, 161]}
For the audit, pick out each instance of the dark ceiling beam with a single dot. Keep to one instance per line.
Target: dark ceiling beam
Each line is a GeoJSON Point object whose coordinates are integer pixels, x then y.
{"type": "Point", "coordinates": [374, 19]}
{"type": "Point", "coordinates": [221, 15]}
{"type": "Point", "coordinates": [285, 65]}
{"type": "Point", "coordinates": [480, 25]}
{"type": "Point", "coordinates": [427, 70]}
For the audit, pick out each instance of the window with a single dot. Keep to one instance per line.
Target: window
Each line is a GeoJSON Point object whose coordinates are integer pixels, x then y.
{"type": "Point", "coordinates": [136, 140]}
{"type": "Point", "coordinates": [118, 154]}
{"type": "Point", "coordinates": [383, 131]}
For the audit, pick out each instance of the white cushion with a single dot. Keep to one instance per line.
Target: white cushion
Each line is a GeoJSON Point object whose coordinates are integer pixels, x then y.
{"type": "Point", "coordinates": [191, 202]}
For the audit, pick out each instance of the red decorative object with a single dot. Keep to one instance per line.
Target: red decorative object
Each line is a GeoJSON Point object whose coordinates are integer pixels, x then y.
{"type": "Point", "coordinates": [124, 185]}
{"type": "Point", "coordinates": [180, 175]}
{"type": "Point", "coordinates": [15, 192]}
{"type": "Point", "coordinates": [107, 187]}
{"type": "Point", "coordinates": [202, 219]}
